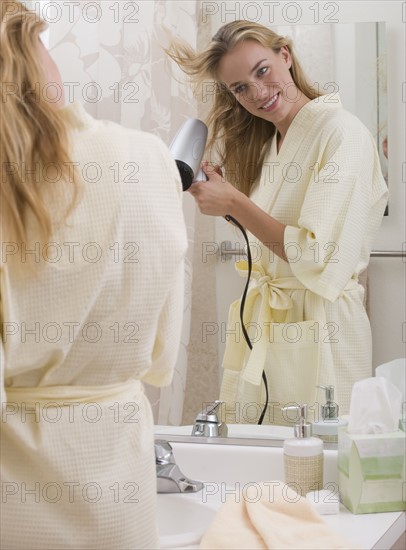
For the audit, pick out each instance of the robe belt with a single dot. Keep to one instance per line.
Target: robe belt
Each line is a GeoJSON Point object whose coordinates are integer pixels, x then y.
{"type": "Point", "coordinates": [66, 395]}
{"type": "Point", "coordinates": [271, 294]}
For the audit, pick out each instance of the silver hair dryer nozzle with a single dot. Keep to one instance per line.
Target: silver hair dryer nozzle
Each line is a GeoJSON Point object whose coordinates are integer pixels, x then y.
{"type": "Point", "coordinates": [187, 148]}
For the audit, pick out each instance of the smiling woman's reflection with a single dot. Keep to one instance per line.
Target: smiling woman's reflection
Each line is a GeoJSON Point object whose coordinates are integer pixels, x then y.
{"type": "Point", "coordinates": [302, 175]}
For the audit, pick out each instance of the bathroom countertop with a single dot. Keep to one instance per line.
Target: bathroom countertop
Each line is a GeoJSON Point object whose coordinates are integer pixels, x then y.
{"type": "Point", "coordinates": [378, 531]}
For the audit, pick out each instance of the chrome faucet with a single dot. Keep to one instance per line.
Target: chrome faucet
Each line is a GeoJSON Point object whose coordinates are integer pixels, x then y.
{"type": "Point", "coordinates": [169, 477]}
{"type": "Point", "coordinates": [207, 423]}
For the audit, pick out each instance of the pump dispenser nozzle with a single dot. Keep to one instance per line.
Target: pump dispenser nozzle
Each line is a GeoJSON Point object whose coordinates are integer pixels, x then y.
{"type": "Point", "coordinates": [302, 428]}
{"type": "Point", "coordinates": [329, 422]}
{"type": "Point", "coordinates": [330, 409]}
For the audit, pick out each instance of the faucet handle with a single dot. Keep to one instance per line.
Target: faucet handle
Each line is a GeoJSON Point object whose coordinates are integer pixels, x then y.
{"type": "Point", "coordinates": [207, 423]}
{"type": "Point", "coordinates": [163, 452]}
{"type": "Point", "coordinates": [209, 412]}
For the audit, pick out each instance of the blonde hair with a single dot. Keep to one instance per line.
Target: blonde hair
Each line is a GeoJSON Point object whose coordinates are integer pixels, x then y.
{"type": "Point", "coordinates": [34, 135]}
{"type": "Point", "coordinates": [236, 135]}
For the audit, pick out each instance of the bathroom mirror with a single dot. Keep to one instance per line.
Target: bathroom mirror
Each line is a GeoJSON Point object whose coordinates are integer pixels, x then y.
{"type": "Point", "coordinates": [349, 59]}
{"type": "Point", "coordinates": [110, 58]}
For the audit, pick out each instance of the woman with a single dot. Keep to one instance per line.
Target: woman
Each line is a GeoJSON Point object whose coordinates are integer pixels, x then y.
{"type": "Point", "coordinates": [302, 175]}
{"type": "Point", "coordinates": [91, 305]}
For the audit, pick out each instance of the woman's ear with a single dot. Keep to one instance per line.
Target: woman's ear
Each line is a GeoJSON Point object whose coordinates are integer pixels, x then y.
{"type": "Point", "coordinates": [286, 56]}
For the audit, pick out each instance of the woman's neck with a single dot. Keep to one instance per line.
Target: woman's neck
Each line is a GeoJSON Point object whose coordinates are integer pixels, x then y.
{"type": "Point", "coordinates": [283, 127]}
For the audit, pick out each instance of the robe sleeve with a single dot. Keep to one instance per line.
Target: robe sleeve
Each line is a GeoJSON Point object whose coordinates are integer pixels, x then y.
{"type": "Point", "coordinates": [341, 212]}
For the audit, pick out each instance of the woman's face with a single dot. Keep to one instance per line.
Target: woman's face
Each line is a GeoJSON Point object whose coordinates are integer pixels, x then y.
{"type": "Point", "coordinates": [261, 82]}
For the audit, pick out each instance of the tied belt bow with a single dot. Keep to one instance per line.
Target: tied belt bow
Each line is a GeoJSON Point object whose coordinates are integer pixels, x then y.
{"type": "Point", "coordinates": [264, 295]}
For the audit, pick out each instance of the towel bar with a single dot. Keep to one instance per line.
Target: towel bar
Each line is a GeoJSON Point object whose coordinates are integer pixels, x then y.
{"type": "Point", "coordinates": [226, 252]}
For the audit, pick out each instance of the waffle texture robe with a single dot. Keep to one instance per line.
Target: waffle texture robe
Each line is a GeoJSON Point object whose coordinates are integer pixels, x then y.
{"type": "Point", "coordinates": [100, 312]}
{"type": "Point", "coordinates": [305, 316]}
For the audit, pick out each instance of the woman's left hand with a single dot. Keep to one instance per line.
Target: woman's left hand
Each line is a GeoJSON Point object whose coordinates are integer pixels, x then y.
{"type": "Point", "coordinates": [215, 196]}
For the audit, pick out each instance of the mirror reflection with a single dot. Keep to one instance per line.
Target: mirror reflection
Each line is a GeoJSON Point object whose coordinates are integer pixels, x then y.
{"type": "Point", "coordinates": [128, 78]}
{"type": "Point", "coordinates": [301, 351]}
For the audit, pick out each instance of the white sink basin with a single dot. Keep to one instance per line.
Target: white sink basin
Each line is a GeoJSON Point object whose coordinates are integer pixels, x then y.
{"type": "Point", "coordinates": [182, 519]}
{"type": "Point", "coordinates": [231, 464]}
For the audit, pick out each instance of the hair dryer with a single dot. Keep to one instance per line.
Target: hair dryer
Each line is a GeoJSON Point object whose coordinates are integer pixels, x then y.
{"type": "Point", "coordinates": [187, 148]}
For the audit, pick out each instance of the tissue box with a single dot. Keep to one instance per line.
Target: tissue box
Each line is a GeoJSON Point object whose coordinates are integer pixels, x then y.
{"type": "Point", "coordinates": [371, 471]}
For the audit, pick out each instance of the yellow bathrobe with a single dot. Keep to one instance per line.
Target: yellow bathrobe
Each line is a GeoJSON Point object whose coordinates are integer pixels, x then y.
{"type": "Point", "coordinates": [103, 314]}
{"type": "Point", "coordinates": [306, 316]}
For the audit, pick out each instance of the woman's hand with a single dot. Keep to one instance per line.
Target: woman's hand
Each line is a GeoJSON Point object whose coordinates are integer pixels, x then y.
{"type": "Point", "coordinates": [215, 196]}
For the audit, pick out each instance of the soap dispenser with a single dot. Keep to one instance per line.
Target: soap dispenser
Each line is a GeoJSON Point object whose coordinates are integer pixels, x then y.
{"type": "Point", "coordinates": [327, 424]}
{"type": "Point", "coordinates": [303, 456]}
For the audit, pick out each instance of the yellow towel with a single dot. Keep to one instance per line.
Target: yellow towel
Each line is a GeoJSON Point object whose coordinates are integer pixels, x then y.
{"type": "Point", "coordinates": [272, 516]}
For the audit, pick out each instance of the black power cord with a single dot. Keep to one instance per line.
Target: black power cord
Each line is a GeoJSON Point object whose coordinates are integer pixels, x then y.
{"type": "Point", "coordinates": [244, 296]}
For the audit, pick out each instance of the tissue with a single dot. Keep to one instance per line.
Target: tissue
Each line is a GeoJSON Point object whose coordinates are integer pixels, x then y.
{"type": "Point", "coordinates": [395, 372]}
{"type": "Point", "coordinates": [371, 450]}
{"type": "Point", "coordinates": [375, 407]}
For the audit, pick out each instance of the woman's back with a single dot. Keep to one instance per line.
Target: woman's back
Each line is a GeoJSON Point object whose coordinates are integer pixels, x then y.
{"type": "Point", "coordinates": [89, 314]}
{"type": "Point", "coordinates": [101, 311]}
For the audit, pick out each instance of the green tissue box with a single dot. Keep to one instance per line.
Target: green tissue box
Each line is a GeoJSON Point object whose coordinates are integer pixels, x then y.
{"type": "Point", "coordinates": [371, 471]}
